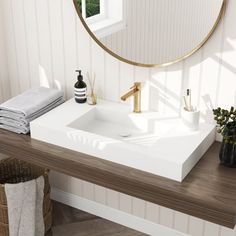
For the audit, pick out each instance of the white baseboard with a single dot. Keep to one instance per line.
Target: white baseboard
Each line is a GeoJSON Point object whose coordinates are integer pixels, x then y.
{"type": "Point", "coordinates": [112, 214]}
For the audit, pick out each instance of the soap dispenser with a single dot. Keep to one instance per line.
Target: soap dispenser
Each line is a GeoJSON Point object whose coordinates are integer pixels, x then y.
{"type": "Point", "coordinates": [80, 89]}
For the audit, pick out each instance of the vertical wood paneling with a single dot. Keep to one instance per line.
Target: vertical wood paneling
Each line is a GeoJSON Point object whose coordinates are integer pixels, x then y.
{"type": "Point", "coordinates": [31, 35]}
{"type": "Point", "coordinates": [126, 78]}
{"type": "Point", "coordinates": [67, 183]}
{"type": "Point", "coordinates": [210, 74]}
{"type": "Point", "coordinates": [64, 45]}
{"type": "Point", "coordinates": [112, 199]}
{"type": "Point", "coordinates": [142, 75]}
{"type": "Point", "coordinates": [98, 67]}
{"type": "Point", "coordinates": [126, 203]}
{"type": "Point", "coordinates": [69, 30]}
{"type": "Point", "coordinates": [45, 40]}
{"type": "Point", "coordinates": [158, 89]}
{"type": "Point", "coordinates": [228, 62]}
{"type": "Point", "coordinates": [193, 76]}
{"type": "Point", "coordinates": [167, 217]}
{"type": "Point", "coordinates": [181, 222]}
{"type": "Point", "coordinates": [174, 86]}
{"type": "Point", "coordinates": [60, 181]}
{"type": "Point", "coordinates": [45, 43]}
{"type": "Point", "coordinates": [211, 229]}
{"type": "Point", "coordinates": [56, 37]}
{"type": "Point", "coordinates": [152, 212]}
{"type": "Point", "coordinates": [196, 226]}
{"type": "Point", "coordinates": [75, 186]}
{"type": "Point", "coordinates": [226, 232]}
{"type": "Point", "coordinates": [100, 194]}
{"type": "Point", "coordinates": [88, 190]}
{"type": "Point", "coordinates": [4, 80]}
{"type": "Point", "coordinates": [84, 49]}
{"type": "Point", "coordinates": [139, 208]}
{"type": "Point", "coordinates": [112, 76]}
{"type": "Point", "coordinates": [11, 48]}
{"type": "Point", "coordinates": [22, 56]}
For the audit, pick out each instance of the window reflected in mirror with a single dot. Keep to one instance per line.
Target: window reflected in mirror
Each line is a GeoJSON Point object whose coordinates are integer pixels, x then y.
{"type": "Point", "coordinates": [89, 8]}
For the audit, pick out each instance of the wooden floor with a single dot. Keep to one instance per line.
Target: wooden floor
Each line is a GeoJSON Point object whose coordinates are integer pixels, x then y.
{"type": "Point", "coordinates": [68, 221]}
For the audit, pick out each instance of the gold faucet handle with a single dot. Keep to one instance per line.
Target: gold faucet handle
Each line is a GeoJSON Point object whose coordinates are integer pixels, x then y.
{"type": "Point", "coordinates": [137, 85]}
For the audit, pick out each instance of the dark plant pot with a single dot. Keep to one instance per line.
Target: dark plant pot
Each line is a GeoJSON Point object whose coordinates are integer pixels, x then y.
{"type": "Point", "coordinates": [228, 154]}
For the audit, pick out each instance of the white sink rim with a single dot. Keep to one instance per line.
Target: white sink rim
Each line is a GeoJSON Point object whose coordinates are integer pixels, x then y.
{"type": "Point", "coordinates": [54, 127]}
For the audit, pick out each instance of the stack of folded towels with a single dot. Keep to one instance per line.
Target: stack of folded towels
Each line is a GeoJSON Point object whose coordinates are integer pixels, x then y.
{"type": "Point", "coordinates": [18, 112]}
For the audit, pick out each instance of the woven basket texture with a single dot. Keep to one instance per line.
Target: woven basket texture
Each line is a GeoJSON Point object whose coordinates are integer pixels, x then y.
{"type": "Point", "coordinates": [15, 171]}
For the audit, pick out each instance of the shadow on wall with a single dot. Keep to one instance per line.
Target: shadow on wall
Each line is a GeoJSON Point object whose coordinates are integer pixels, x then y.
{"type": "Point", "coordinates": [45, 82]}
{"type": "Point", "coordinates": [207, 82]}
{"type": "Point", "coordinates": [163, 95]}
{"type": "Point", "coordinates": [208, 115]}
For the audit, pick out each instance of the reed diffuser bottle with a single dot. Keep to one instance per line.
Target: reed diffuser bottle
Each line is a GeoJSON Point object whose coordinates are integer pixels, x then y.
{"type": "Point", "coordinates": [92, 96]}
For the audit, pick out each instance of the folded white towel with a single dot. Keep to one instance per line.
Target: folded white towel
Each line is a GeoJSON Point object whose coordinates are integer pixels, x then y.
{"type": "Point", "coordinates": [25, 208]}
{"type": "Point", "coordinates": [18, 130]}
{"type": "Point", "coordinates": [18, 112]}
{"type": "Point", "coordinates": [14, 122]}
{"type": "Point", "coordinates": [32, 101]}
{"type": "Point", "coordinates": [17, 126]}
{"type": "Point", "coordinates": [26, 119]}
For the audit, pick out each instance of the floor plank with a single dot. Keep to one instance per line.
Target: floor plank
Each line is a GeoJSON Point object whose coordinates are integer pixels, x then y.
{"type": "Point", "coordinates": [68, 221]}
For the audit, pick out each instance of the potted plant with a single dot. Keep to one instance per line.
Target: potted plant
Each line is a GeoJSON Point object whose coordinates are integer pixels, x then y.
{"type": "Point", "coordinates": [226, 125]}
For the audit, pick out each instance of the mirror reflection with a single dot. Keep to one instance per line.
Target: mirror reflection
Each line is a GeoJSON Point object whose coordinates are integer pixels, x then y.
{"type": "Point", "coordinates": [150, 32]}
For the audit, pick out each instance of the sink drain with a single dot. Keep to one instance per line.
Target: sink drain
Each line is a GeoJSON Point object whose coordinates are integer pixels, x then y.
{"type": "Point", "coordinates": [124, 134]}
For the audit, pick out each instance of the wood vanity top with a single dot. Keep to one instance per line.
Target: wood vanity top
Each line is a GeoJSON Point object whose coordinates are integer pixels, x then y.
{"type": "Point", "coordinates": [208, 192]}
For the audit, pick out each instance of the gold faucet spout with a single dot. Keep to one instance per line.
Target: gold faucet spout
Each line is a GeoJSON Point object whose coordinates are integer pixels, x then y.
{"type": "Point", "coordinates": [129, 94]}
{"type": "Point", "coordinates": [136, 92]}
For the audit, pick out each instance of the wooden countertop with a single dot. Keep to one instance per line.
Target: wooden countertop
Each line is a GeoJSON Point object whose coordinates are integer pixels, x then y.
{"type": "Point", "coordinates": [208, 192]}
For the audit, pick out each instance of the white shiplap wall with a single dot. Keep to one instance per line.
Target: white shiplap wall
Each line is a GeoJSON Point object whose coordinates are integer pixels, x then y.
{"type": "Point", "coordinates": [4, 80]}
{"type": "Point", "coordinates": [43, 42]}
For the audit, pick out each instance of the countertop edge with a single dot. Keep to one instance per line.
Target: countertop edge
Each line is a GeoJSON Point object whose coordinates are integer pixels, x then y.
{"type": "Point", "coordinates": [125, 181]}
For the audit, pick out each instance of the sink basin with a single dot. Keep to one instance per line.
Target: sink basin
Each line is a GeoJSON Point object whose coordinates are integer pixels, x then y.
{"type": "Point", "coordinates": [148, 141]}
{"type": "Point", "coordinates": [110, 123]}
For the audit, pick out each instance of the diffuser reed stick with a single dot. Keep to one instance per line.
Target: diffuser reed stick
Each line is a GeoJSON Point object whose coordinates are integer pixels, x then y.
{"type": "Point", "coordinates": [92, 85]}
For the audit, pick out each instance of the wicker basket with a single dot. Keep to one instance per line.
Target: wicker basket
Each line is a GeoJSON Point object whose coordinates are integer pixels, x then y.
{"type": "Point", "coordinates": [16, 171]}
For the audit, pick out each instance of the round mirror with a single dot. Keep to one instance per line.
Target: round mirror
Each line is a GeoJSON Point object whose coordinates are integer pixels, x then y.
{"type": "Point", "coordinates": [150, 32]}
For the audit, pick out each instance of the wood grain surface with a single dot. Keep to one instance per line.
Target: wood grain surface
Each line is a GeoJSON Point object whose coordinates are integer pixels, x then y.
{"type": "Point", "coordinates": [208, 192]}
{"type": "Point", "coordinates": [70, 221]}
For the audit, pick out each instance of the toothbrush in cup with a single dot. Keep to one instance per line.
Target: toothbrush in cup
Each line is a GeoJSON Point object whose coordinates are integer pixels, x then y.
{"type": "Point", "coordinates": [188, 101]}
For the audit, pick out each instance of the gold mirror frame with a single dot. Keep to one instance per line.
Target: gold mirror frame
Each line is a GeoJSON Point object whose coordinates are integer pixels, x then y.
{"type": "Point", "coordinates": [222, 11]}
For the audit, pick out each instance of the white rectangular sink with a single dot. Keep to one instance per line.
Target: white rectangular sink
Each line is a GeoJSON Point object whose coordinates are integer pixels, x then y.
{"type": "Point", "coordinates": [109, 123]}
{"type": "Point", "coordinates": [147, 141]}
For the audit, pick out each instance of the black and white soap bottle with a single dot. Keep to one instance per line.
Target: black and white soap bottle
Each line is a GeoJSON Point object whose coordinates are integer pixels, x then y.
{"type": "Point", "coordinates": [80, 89]}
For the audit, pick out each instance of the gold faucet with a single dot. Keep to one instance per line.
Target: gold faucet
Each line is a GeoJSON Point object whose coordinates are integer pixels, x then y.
{"type": "Point", "coordinates": [136, 92]}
